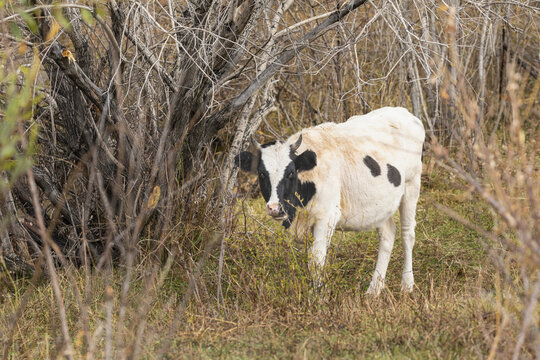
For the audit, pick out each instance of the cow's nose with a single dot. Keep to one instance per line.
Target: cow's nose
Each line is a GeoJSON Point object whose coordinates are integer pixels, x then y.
{"type": "Point", "coordinates": [273, 209]}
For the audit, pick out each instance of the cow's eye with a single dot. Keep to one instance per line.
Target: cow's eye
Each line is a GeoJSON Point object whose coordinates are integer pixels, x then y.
{"type": "Point", "coordinates": [291, 175]}
{"type": "Point", "coordinates": [262, 175]}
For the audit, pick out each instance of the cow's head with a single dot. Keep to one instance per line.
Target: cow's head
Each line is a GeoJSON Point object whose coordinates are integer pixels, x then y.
{"type": "Point", "coordinates": [277, 166]}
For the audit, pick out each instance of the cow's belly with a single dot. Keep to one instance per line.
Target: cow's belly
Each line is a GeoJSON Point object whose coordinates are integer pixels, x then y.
{"type": "Point", "coordinates": [367, 212]}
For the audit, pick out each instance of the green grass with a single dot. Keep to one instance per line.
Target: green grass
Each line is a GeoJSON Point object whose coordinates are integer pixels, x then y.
{"type": "Point", "coordinates": [271, 311]}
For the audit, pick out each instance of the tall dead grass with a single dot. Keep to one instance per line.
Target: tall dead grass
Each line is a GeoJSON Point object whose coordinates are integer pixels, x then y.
{"type": "Point", "coordinates": [501, 164]}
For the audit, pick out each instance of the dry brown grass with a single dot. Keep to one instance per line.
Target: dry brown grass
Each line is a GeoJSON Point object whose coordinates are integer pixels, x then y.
{"type": "Point", "coordinates": [270, 310]}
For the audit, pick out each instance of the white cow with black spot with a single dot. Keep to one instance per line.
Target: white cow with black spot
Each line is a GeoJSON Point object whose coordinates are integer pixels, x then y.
{"type": "Point", "coordinates": [350, 176]}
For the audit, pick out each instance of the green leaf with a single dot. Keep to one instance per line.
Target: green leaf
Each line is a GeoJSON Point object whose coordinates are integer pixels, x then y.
{"type": "Point", "coordinates": [30, 21]}
{"type": "Point", "coordinates": [87, 17]}
{"type": "Point", "coordinates": [59, 16]}
{"type": "Point", "coordinates": [7, 151]}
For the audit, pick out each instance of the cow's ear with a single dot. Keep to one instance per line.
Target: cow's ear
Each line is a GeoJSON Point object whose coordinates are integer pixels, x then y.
{"type": "Point", "coordinates": [305, 161]}
{"type": "Point", "coordinates": [246, 161]}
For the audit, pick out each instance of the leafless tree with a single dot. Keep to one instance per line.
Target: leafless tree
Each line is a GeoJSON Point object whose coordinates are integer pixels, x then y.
{"type": "Point", "coordinates": [136, 101]}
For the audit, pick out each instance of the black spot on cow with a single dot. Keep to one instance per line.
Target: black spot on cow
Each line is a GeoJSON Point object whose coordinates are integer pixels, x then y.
{"type": "Point", "coordinates": [393, 175]}
{"type": "Point", "coordinates": [373, 165]}
{"type": "Point", "coordinates": [245, 160]}
{"type": "Point", "coordinates": [305, 191]}
{"type": "Point", "coordinates": [305, 161]}
{"type": "Point", "coordinates": [264, 181]}
{"type": "Point", "coordinates": [292, 193]}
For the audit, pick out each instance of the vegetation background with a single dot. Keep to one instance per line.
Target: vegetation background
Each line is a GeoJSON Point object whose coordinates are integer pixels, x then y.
{"type": "Point", "coordinates": [126, 232]}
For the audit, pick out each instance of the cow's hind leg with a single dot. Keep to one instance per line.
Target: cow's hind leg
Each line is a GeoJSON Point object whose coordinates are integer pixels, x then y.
{"type": "Point", "coordinates": [387, 234]}
{"type": "Point", "coordinates": [407, 211]}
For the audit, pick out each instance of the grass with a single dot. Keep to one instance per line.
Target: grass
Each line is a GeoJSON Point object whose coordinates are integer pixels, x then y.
{"type": "Point", "coordinates": [270, 310]}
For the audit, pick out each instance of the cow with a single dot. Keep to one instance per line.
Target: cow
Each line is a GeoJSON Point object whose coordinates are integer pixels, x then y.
{"type": "Point", "coordinates": [351, 176]}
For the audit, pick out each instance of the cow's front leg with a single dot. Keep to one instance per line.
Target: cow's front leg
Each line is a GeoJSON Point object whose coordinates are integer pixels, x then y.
{"type": "Point", "coordinates": [387, 233]}
{"type": "Point", "coordinates": [322, 235]}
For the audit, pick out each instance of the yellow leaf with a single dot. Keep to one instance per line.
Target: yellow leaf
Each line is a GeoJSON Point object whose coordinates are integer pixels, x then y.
{"type": "Point", "coordinates": [153, 198]}
{"type": "Point", "coordinates": [22, 48]}
{"type": "Point", "coordinates": [443, 7]}
{"type": "Point", "coordinates": [55, 27]}
{"type": "Point", "coordinates": [68, 54]}
{"type": "Point", "coordinates": [444, 94]}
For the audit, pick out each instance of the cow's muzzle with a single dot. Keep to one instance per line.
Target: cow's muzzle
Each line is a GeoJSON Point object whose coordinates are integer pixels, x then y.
{"type": "Point", "coordinates": [276, 211]}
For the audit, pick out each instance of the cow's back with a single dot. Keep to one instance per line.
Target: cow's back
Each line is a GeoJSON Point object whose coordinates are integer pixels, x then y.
{"type": "Point", "coordinates": [393, 133]}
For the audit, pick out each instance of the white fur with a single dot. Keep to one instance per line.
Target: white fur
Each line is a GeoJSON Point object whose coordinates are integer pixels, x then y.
{"type": "Point", "coordinates": [347, 195]}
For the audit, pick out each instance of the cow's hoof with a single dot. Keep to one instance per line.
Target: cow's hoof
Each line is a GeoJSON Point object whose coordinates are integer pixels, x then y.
{"type": "Point", "coordinates": [407, 283]}
{"type": "Point", "coordinates": [375, 288]}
